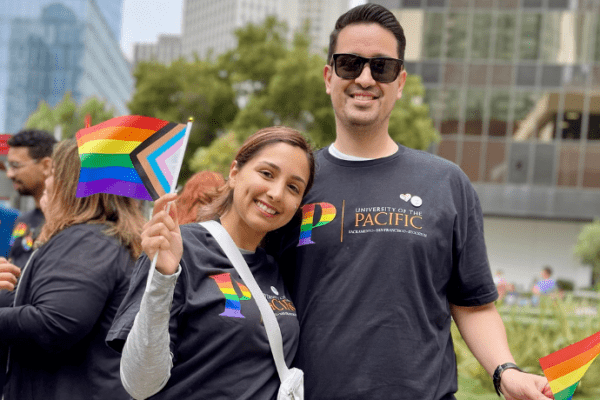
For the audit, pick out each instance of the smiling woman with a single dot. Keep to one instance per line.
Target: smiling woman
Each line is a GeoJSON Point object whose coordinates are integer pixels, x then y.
{"type": "Point", "coordinates": [269, 172]}
{"type": "Point", "coordinates": [196, 328]}
{"type": "Point", "coordinates": [266, 193]}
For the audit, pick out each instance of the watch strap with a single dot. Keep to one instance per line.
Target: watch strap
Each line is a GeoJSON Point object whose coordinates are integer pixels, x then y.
{"type": "Point", "coordinates": [497, 377]}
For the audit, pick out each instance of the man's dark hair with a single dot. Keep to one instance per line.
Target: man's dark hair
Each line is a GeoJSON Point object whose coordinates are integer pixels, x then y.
{"type": "Point", "coordinates": [548, 270]}
{"type": "Point", "coordinates": [365, 14]}
{"type": "Point", "coordinates": [40, 143]}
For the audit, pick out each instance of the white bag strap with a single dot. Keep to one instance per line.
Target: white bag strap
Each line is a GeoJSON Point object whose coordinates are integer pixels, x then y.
{"type": "Point", "coordinates": [270, 321]}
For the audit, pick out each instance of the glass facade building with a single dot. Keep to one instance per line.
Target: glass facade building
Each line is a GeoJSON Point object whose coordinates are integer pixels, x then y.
{"type": "Point", "coordinates": [514, 88]}
{"type": "Point", "coordinates": [49, 47]}
{"type": "Point", "coordinates": [112, 11]}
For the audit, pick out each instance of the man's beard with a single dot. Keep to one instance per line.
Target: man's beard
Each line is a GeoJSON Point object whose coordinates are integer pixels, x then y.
{"type": "Point", "coordinates": [24, 190]}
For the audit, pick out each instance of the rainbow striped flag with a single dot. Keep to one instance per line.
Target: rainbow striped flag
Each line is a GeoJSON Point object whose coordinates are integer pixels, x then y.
{"type": "Point", "coordinates": [130, 156]}
{"type": "Point", "coordinates": [565, 368]}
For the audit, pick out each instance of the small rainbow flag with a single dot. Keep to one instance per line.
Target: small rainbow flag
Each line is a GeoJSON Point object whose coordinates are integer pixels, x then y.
{"type": "Point", "coordinates": [130, 156]}
{"type": "Point", "coordinates": [565, 368]}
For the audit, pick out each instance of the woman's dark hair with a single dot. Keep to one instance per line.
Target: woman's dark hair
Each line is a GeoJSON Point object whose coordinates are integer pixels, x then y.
{"type": "Point", "coordinates": [367, 14]}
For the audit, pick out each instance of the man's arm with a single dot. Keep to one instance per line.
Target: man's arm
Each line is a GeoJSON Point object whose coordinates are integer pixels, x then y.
{"type": "Point", "coordinates": [483, 331]}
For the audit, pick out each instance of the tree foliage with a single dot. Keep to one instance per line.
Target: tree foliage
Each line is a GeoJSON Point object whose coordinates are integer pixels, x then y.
{"type": "Point", "coordinates": [410, 123]}
{"type": "Point", "coordinates": [294, 96]}
{"type": "Point", "coordinates": [185, 89]}
{"type": "Point", "coordinates": [588, 249]}
{"type": "Point", "coordinates": [218, 156]}
{"type": "Point", "coordinates": [69, 115]}
{"type": "Point", "coordinates": [250, 64]}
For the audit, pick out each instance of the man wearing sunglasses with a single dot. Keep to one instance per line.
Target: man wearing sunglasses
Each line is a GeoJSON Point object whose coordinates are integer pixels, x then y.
{"type": "Point", "coordinates": [390, 246]}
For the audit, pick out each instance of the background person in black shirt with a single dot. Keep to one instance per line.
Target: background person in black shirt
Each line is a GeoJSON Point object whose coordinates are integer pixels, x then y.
{"type": "Point", "coordinates": [29, 162]}
{"type": "Point", "coordinates": [69, 292]}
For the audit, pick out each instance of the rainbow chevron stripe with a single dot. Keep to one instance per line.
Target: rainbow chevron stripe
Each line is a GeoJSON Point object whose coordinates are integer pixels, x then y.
{"type": "Point", "coordinates": [565, 368]}
{"type": "Point", "coordinates": [107, 158]}
{"type": "Point", "coordinates": [156, 159]}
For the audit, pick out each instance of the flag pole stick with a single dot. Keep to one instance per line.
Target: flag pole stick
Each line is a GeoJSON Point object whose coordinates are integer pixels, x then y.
{"type": "Point", "coordinates": [186, 138]}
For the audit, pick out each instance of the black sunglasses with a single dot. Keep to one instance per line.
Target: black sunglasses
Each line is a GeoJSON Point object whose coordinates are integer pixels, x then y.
{"type": "Point", "coordinates": [383, 69]}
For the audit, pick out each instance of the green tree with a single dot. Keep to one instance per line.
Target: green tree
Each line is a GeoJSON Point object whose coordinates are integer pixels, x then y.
{"type": "Point", "coordinates": [186, 89]}
{"type": "Point", "coordinates": [588, 249]}
{"type": "Point", "coordinates": [69, 115]}
{"type": "Point", "coordinates": [217, 156]}
{"type": "Point", "coordinates": [410, 123]}
{"type": "Point", "coordinates": [294, 96]}
{"type": "Point", "coordinates": [250, 65]}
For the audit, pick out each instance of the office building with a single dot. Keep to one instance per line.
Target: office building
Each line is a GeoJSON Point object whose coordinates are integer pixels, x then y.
{"type": "Point", "coordinates": [50, 47]}
{"type": "Point", "coordinates": [209, 25]}
{"type": "Point", "coordinates": [322, 16]}
{"type": "Point", "coordinates": [166, 50]}
{"type": "Point", "coordinates": [514, 88]}
{"type": "Point", "coordinates": [112, 11]}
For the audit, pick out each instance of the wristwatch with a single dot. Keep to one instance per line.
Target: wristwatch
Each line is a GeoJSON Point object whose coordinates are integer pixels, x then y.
{"type": "Point", "coordinates": [498, 374]}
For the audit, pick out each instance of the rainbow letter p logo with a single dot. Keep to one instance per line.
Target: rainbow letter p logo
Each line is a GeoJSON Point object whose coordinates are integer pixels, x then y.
{"type": "Point", "coordinates": [232, 300]}
{"type": "Point", "coordinates": [308, 212]}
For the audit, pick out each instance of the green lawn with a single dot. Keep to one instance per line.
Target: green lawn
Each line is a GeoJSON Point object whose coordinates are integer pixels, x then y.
{"type": "Point", "coordinates": [469, 390]}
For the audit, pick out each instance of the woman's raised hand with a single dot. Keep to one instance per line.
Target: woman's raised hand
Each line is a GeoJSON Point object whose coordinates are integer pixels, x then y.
{"type": "Point", "coordinates": [162, 234]}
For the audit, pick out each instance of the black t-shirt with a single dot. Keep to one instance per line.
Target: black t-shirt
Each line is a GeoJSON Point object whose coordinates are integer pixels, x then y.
{"type": "Point", "coordinates": [65, 302]}
{"type": "Point", "coordinates": [219, 344]}
{"type": "Point", "coordinates": [27, 228]}
{"type": "Point", "coordinates": [382, 248]}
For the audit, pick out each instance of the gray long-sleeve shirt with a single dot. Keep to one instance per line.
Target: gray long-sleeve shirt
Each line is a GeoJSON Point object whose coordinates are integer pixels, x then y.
{"type": "Point", "coordinates": [147, 361]}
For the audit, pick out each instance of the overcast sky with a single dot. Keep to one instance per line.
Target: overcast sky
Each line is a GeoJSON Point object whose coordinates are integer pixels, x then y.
{"type": "Point", "coordinates": [144, 20]}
